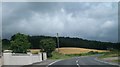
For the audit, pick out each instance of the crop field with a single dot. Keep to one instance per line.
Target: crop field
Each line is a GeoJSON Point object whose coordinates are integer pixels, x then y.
{"type": "Point", "coordinates": [71, 50]}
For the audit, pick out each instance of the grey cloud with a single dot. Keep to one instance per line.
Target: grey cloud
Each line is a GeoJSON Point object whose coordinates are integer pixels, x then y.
{"type": "Point", "coordinates": [96, 21]}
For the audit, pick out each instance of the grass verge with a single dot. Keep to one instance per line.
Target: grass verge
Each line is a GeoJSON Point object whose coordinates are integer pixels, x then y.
{"type": "Point", "coordinates": [56, 55]}
{"type": "Point", "coordinates": [111, 54]}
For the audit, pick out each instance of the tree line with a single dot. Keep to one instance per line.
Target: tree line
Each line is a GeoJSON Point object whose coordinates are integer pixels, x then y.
{"type": "Point", "coordinates": [65, 42]}
{"type": "Point", "coordinates": [20, 43]}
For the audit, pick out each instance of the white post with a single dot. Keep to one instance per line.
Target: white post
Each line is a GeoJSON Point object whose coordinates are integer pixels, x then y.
{"type": "Point", "coordinates": [40, 57]}
{"type": "Point", "coordinates": [44, 56]}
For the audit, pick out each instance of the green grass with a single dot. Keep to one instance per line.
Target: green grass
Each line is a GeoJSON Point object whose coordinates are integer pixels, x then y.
{"type": "Point", "coordinates": [56, 55]}
{"type": "Point", "coordinates": [116, 61]}
{"type": "Point", "coordinates": [113, 53]}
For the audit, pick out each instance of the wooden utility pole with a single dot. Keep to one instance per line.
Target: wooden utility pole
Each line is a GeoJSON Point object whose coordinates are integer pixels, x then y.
{"type": "Point", "coordinates": [58, 41]}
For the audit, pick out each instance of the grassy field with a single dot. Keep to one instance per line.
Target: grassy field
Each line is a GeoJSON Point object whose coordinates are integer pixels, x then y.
{"type": "Point", "coordinates": [66, 52]}
{"type": "Point", "coordinates": [71, 50]}
{"type": "Point", "coordinates": [112, 54]}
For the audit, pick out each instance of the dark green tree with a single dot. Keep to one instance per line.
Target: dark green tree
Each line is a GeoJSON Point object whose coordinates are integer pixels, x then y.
{"type": "Point", "coordinates": [20, 43]}
{"type": "Point", "coordinates": [48, 45]}
{"type": "Point", "coordinates": [5, 44]}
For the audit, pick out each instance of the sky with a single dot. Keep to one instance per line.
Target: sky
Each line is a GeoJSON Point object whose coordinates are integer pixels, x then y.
{"type": "Point", "coordinates": [87, 20]}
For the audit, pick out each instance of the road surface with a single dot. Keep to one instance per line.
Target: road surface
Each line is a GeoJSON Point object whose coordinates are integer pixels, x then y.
{"type": "Point", "coordinates": [73, 62]}
{"type": "Point", "coordinates": [81, 62]}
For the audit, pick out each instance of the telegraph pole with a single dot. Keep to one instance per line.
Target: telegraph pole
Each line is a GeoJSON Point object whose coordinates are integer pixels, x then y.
{"type": "Point", "coordinates": [58, 41]}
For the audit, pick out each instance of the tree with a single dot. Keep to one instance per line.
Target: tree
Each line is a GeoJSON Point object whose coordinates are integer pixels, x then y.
{"type": "Point", "coordinates": [48, 45]}
{"type": "Point", "coordinates": [20, 43]}
{"type": "Point", "coordinates": [5, 44]}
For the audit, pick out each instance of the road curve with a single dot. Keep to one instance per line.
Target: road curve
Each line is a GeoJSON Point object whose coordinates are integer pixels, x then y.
{"type": "Point", "coordinates": [81, 62]}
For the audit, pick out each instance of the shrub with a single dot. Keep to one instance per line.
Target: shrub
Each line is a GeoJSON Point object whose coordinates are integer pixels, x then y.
{"type": "Point", "coordinates": [92, 52]}
{"type": "Point", "coordinates": [20, 43]}
{"type": "Point", "coordinates": [48, 45]}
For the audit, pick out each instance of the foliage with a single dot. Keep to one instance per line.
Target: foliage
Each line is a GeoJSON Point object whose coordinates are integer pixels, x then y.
{"type": "Point", "coordinates": [113, 53]}
{"type": "Point", "coordinates": [69, 42]}
{"type": "Point", "coordinates": [48, 45]}
{"type": "Point", "coordinates": [57, 55]}
{"type": "Point", "coordinates": [20, 43]}
{"type": "Point", "coordinates": [74, 42]}
{"type": "Point", "coordinates": [92, 52]}
{"type": "Point", "coordinates": [85, 54]}
{"type": "Point", "coordinates": [5, 44]}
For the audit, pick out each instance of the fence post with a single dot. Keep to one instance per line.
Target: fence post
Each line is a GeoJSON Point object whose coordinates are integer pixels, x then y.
{"type": "Point", "coordinates": [44, 56]}
{"type": "Point", "coordinates": [40, 57]}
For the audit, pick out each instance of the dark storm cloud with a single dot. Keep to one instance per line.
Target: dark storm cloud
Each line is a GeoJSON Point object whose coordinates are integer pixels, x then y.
{"type": "Point", "coordinates": [97, 21]}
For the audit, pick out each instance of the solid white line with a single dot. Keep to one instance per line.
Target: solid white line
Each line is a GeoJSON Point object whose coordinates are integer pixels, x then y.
{"type": "Point", "coordinates": [53, 63]}
{"type": "Point", "coordinates": [106, 62]}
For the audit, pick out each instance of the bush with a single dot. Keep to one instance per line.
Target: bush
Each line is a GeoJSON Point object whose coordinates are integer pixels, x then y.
{"type": "Point", "coordinates": [92, 52]}
{"type": "Point", "coordinates": [19, 43]}
{"type": "Point", "coordinates": [48, 45]}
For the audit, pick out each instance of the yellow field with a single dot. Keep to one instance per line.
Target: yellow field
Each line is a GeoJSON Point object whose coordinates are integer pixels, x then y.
{"type": "Point", "coordinates": [70, 50]}
{"type": "Point", "coordinates": [34, 51]}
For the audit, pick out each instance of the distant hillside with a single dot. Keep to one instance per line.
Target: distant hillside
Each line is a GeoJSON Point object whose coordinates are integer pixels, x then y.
{"type": "Point", "coordinates": [75, 42]}
{"type": "Point", "coordinates": [67, 42]}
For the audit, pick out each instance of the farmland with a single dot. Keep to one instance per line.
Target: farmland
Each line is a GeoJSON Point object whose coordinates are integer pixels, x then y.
{"type": "Point", "coordinates": [71, 50]}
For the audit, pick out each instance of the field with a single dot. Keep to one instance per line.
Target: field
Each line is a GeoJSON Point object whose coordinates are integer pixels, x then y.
{"type": "Point", "coordinates": [112, 56]}
{"type": "Point", "coordinates": [68, 52]}
{"type": "Point", "coordinates": [71, 50]}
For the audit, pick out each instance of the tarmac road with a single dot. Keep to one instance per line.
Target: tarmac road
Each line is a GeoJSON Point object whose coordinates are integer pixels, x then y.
{"type": "Point", "coordinates": [81, 62]}
{"type": "Point", "coordinates": [88, 61]}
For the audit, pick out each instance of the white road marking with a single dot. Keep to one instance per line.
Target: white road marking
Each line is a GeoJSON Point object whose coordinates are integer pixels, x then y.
{"type": "Point", "coordinates": [53, 63]}
{"type": "Point", "coordinates": [77, 63]}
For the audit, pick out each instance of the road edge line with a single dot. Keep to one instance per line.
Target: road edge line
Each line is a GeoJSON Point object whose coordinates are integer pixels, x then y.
{"type": "Point", "coordinates": [53, 63]}
{"type": "Point", "coordinates": [106, 62]}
